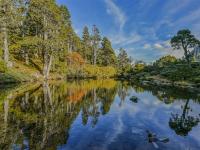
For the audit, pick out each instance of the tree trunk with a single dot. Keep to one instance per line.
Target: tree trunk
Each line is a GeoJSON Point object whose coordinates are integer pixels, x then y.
{"type": "Point", "coordinates": [6, 108]}
{"type": "Point", "coordinates": [47, 65]}
{"type": "Point", "coordinates": [94, 56]}
{"type": "Point", "coordinates": [47, 94]}
{"type": "Point", "coordinates": [185, 108]}
{"type": "Point", "coordinates": [27, 97]}
{"type": "Point", "coordinates": [187, 57]}
{"type": "Point", "coordinates": [45, 68]}
{"type": "Point", "coordinates": [27, 58]}
{"type": "Point", "coordinates": [5, 46]}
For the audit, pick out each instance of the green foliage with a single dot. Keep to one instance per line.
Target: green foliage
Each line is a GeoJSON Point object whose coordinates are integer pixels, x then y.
{"type": "Point", "coordinates": [123, 63]}
{"type": "Point", "coordinates": [1, 51]}
{"type": "Point", "coordinates": [106, 55]}
{"type": "Point", "coordinates": [165, 61]}
{"type": "Point", "coordinates": [139, 67]}
{"type": "Point", "coordinates": [40, 36]}
{"type": "Point", "coordinates": [3, 67]}
{"type": "Point", "coordinates": [91, 71]}
{"type": "Point", "coordinates": [14, 77]}
{"type": "Point", "coordinates": [177, 73]}
{"type": "Point", "coordinates": [87, 48]}
{"type": "Point", "coordinates": [98, 72]}
{"type": "Point", "coordinates": [65, 14]}
{"type": "Point", "coordinates": [184, 40]}
{"type": "Point", "coordinates": [170, 68]}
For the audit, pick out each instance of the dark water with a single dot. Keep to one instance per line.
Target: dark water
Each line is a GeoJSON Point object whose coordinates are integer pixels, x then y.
{"type": "Point", "coordinates": [98, 115]}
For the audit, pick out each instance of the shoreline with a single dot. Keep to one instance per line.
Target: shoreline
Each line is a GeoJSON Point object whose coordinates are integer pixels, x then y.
{"type": "Point", "coordinates": [53, 77]}
{"type": "Point", "coordinates": [162, 82]}
{"type": "Point", "coordinates": [167, 83]}
{"type": "Point", "coordinates": [147, 81]}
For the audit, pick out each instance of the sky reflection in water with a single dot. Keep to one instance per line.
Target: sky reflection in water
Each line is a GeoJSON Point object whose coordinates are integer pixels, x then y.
{"type": "Point", "coordinates": [97, 115]}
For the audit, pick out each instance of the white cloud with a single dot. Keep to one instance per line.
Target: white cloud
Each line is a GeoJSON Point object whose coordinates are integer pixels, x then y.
{"type": "Point", "coordinates": [147, 36]}
{"type": "Point", "coordinates": [158, 46]}
{"type": "Point", "coordinates": [147, 46]}
{"type": "Point", "coordinates": [124, 40]}
{"type": "Point", "coordinates": [167, 50]}
{"type": "Point", "coordinates": [116, 12]}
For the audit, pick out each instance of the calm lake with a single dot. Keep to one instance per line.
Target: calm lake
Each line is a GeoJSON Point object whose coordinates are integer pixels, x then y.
{"type": "Point", "coordinates": [98, 115]}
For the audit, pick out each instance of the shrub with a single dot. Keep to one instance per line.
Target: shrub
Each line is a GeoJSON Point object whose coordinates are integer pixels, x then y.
{"type": "Point", "coordinates": [90, 71]}
{"type": "Point", "coordinates": [3, 67]}
{"type": "Point", "coordinates": [165, 61]}
{"type": "Point", "coordinates": [99, 72]}
{"type": "Point", "coordinates": [139, 67]}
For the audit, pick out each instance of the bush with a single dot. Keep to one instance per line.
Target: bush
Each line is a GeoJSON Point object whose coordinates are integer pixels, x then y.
{"type": "Point", "coordinates": [90, 71]}
{"type": "Point", "coordinates": [195, 80]}
{"type": "Point", "coordinates": [3, 67]}
{"type": "Point", "coordinates": [165, 61]}
{"type": "Point", "coordinates": [99, 72]}
{"type": "Point", "coordinates": [178, 73]}
{"type": "Point", "coordinates": [139, 67]}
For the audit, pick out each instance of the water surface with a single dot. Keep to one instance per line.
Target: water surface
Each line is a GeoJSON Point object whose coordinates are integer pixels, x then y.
{"type": "Point", "coordinates": [97, 115]}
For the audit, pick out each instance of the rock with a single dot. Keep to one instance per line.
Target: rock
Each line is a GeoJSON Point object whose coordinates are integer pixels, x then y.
{"type": "Point", "coordinates": [134, 99]}
{"type": "Point", "coordinates": [152, 138]}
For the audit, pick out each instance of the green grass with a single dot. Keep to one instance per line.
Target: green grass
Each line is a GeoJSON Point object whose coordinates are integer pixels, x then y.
{"type": "Point", "coordinates": [18, 73]}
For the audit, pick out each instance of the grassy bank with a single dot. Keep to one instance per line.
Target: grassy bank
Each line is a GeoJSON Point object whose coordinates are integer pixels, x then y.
{"type": "Point", "coordinates": [23, 73]}
{"type": "Point", "coordinates": [18, 73]}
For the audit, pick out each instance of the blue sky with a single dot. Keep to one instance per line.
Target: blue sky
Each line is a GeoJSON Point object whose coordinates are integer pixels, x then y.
{"type": "Point", "coordinates": [142, 27]}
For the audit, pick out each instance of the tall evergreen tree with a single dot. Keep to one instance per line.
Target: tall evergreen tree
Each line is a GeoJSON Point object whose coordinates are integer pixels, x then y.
{"type": "Point", "coordinates": [66, 32]}
{"type": "Point", "coordinates": [65, 14]}
{"type": "Point", "coordinates": [87, 49]}
{"type": "Point", "coordinates": [86, 36]}
{"type": "Point", "coordinates": [124, 61]}
{"type": "Point", "coordinates": [106, 54]}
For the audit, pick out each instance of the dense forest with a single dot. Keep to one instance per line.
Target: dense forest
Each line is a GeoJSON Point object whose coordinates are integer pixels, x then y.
{"type": "Point", "coordinates": [38, 41]}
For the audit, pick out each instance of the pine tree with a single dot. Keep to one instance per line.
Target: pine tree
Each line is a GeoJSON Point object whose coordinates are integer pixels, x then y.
{"type": "Point", "coordinates": [124, 61]}
{"type": "Point", "coordinates": [86, 36]}
{"type": "Point", "coordinates": [106, 55]}
{"type": "Point", "coordinates": [87, 49]}
{"type": "Point", "coordinates": [65, 14]}
{"type": "Point", "coordinates": [66, 32]}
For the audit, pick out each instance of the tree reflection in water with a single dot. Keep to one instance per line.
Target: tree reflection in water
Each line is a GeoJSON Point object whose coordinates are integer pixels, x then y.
{"type": "Point", "coordinates": [123, 92]}
{"type": "Point", "coordinates": [41, 117]}
{"type": "Point", "coordinates": [183, 124]}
